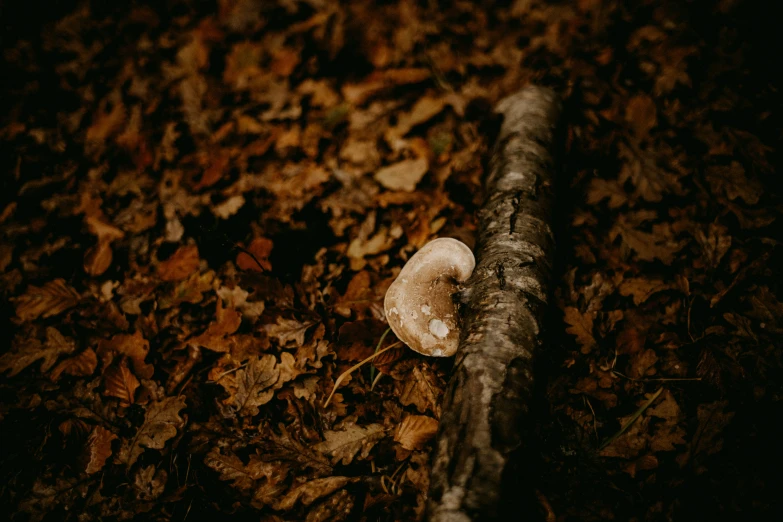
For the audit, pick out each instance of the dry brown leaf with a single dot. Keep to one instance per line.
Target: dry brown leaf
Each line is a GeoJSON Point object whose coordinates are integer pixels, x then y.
{"type": "Point", "coordinates": [81, 365]}
{"type": "Point", "coordinates": [28, 349]}
{"type": "Point", "coordinates": [288, 331]}
{"type": "Point", "coordinates": [98, 449]}
{"type": "Point", "coordinates": [50, 299]}
{"type": "Point", "coordinates": [261, 248]}
{"type": "Point", "coordinates": [641, 288]}
{"type": "Point", "coordinates": [714, 240]}
{"type": "Point", "coordinates": [135, 347]}
{"type": "Point", "coordinates": [97, 259]}
{"type": "Point", "coordinates": [243, 476]}
{"type": "Point", "coordinates": [426, 108]}
{"type": "Point", "coordinates": [606, 189]}
{"type": "Point", "coordinates": [217, 335]}
{"type": "Point", "coordinates": [581, 326]}
{"type": "Point", "coordinates": [730, 180]}
{"type": "Point", "coordinates": [355, 440]}
{"type": "Point", "coordinates": [120, 382]}
{"type": "Point", "coordinates": [421, 387]}
{"type": "Point", "coordinates": [180, 265]}
{"type": "Point", "coordinates": [404, 175]}
{"type": "Point", "coordinates": [415, 431]}
{"type": "Point", "coordinates": [254, 385]}
{"type": "Point", "coordinates": [641, 114]}
{"type": "Point", "coordinates": [652, 181]}
{"type": "Point", "coordinates": [161, 422]}
{"type": "Point", "coordinates": [311, 491]}
{"type": "Point", "coordinates": [649, 246]}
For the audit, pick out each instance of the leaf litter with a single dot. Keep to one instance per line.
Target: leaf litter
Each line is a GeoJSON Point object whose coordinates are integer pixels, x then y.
{"type": "Point", "coordinates": [204, 206]}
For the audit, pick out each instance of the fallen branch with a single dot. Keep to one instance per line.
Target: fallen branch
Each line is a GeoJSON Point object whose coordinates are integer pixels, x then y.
{"type": "Point", "coordinates": [487, 399]}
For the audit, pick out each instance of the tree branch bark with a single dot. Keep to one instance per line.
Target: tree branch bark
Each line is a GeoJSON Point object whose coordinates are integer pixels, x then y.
{"type": "Point", "coordinates": [486, 404]}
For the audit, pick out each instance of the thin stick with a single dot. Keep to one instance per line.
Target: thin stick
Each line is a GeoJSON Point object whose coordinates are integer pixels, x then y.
{"type": "Point", "coordinates": [347, 372]}
{"type": "Point", "coordinates": [633, 418]}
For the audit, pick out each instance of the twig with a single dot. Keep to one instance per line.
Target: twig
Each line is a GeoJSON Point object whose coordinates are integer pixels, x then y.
{"type": "Point", "coordinates": [355, 366]}
{"type": "Point", "coordinates": [633, 418]}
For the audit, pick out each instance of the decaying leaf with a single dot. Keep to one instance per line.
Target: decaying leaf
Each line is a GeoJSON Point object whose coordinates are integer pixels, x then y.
{"type": "Point", "coordinates": [254, 385]}
{"type": "Point", "coordinates": [51, 299]}
{"type": "Point", "coordinates": [81, 365]}
{"type": "Point", "coordinates": [355, 441]}
{"type": "Point", "coordinates": [120, 382]}
{"type": "Point", "coordinates": [161, 422]}
{"type": "Point", "coordinates": [404, 175]}
{"type": "Point", "coordinates": [415, 431]}
{"type": "Point", "coordinates": [581, 326]}
{"type": "Point", "coordinates": [180, 265]}
{"type": "Point", "coordinates": [243, 476]}
{"type": "Point", "coordinates": [28, 350]}
{"type": "Point", "coordinates": [98, 449]}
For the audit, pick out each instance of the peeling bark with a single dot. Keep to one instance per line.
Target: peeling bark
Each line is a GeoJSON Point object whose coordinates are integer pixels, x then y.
{"type": "Point", "coordinates": [486, 404]}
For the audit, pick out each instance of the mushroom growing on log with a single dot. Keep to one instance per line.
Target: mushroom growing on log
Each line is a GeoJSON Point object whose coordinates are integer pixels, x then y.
{"type": "Point", "coordinates": [419, 304]}
{"type": "Point", "coordinates": [484, 420]}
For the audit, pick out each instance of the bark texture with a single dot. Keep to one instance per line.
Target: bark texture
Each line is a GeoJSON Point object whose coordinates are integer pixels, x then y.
{"type": "Point", "coordinates": [487, 400]}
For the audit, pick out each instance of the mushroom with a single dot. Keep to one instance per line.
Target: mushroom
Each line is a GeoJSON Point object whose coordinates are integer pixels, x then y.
{"type": "Point", "coordinates": [419, 306]}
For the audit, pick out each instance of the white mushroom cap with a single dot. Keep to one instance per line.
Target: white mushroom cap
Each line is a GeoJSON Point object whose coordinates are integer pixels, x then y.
{"type": "Point", "coordinates": [419, 306]}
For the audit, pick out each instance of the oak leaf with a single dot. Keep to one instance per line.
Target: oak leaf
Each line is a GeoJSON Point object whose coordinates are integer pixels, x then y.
{"type": "Point", "coordinates": [161, 422]}
{"type": "Point", "coordinates": [254, 385]}
{"type": "Point", "coordinates": [50, 299]}
{"type": "Point", "coordinates": [243, 476]}
{"type": "Point", "coordinates": [98, 449]}
{"type": "Point", "coordinates": [311, 491]}
{"type": "Point", "coordinates": [344, 446]}
{"type": "Point", "coordinates": [26, 350]}
{"type": "Point", "coordinates": [80, 365]}
{"type": "Point", "coordinates": [606, 189]}
{"type": "Point", "coordinates": [135, 347]}
{"type": "Point", "coordinates": [730, 180]}
{"type": "Point", "coordinates": [652, 181]}
{"type": "Point", "coordinates": [216, 337]}
{"type": "Point", "coordinates": [649, 246]}
{"type": "Point", "coordinates": [581, 326]}
{"type": "Point", "coordinates": [288, 330]}
{"type": "Point", "coordinates": [415, 431]}
{"type": "Point", "coordinates": [642, 288]}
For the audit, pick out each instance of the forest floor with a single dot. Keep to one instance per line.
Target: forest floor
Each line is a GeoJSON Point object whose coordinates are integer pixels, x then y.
{"type": "Point", "coordinates": [203, 205]}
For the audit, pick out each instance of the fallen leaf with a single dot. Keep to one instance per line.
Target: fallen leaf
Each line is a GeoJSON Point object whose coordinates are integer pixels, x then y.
{"type": "Point", "coordinates": [260, 248]}
{"type": "Point", "coordinates": [288, 330]}
{"type": "Point", "coordinates": [51, 299]}
{"type": "Point", "coordinates": [134, 346]}
{"type": "Point", "coordinates": [120, 382]}
{"type": "Point", "coordinates": [344, 446]}
{"type": "Point", "coordinates": [161, 422]}
{"type": "Point", "coordinates": [27, 349]}
{"type": "Point", "coordinates": [404, 175]}
{"type": "Point", "coordinates": [81, 365]}
{"type": "Point", "coordinates": [98, 449]}
{"type": "Point", "coordinates": [254, 385]}
{"type": "Point", "coordinates": [180, 265]}
{"type": "Point", "coordinates": [730, 180]}
{"type": "Point", "coordinates": [641, 114]}
{"type": "Point", "coordinates": [642, 288]}
{"type": "Point", "coordinates": [581, 326]}
{"type": "Point", "coordinates": [243, 476]}
{"type": "Point", "coordinates": [311, 491]}
{"type": "Point", "coordinates": [415, 431]}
